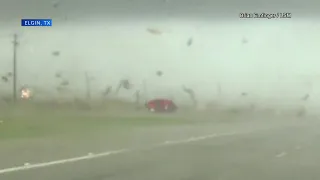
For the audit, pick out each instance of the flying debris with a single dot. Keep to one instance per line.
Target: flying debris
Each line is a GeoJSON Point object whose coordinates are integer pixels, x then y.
{"type": "Point", "coordinates": [305, 97]}
{"type": "Point", "coordinates": [107, 91]}
{"type": "Point", "coordinates": [244, 94]}
{"type": "Point", "coordinates": [4, 78]}
{"type": "Point", "coordinates": [154, 31]}
{"type": "Point", "coordinates": [56, 4]}
{"type": "Point", "coordinates": [56, 53]}
{"type": "Point", "coordinates": [191, 94]}
{"type": "Point", "coordinates": [58, 75]}
{"type": "Point", "coordinates": [159, 73]}
{"type": "Point", "coordinates": [244, 40]}
{"type": "Point", "coordinates": [124, 84]}
{"type": "Point", "coordinates": [64, 83]}
{"type": "Point", "coordinates": [60, 89]}
{"type": "Point", "coordinates": [190, 41]}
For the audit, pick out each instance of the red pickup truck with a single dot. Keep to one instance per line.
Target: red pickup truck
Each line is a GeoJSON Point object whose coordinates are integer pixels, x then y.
{"type": "Point", "coordinates": [161, 105]}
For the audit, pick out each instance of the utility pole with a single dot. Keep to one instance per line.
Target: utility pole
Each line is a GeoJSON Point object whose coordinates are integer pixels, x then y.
{"type": "Point", "coordinates": [88, 86]}
{"type": "Point", "coordinates": [15, 44]}
{"type": "Point", "coordinates": [145, 90]}
{"type": "Point", "coordinates": [219, 89]}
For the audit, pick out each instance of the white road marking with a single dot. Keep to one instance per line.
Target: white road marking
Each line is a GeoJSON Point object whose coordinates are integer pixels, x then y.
{"type": "Point", "coordinates": [108, 153]}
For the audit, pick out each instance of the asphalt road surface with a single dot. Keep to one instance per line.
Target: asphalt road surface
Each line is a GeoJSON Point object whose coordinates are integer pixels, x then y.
{"type": "Point", "coordinates": [277, 153]}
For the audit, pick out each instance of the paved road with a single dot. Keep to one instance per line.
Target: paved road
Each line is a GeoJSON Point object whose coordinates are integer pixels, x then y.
{"type": "Point", "coordinates": [284, 153]}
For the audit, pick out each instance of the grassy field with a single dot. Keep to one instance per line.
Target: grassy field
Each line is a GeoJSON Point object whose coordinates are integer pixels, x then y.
{"type": "Point", "coordinates": [79, 119]}
{"type": "Point", "coordinates": [27, 123]}
{"type": "Point", "coordinates": [40, 132]}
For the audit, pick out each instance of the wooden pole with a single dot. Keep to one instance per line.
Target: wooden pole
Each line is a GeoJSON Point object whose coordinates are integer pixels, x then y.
{"type": "Point", "coordinates": [14, 88]}
{"type": "Point", "coordinates": [88, 86]}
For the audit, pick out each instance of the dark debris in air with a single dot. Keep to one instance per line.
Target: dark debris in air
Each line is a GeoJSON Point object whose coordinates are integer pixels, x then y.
{"type": "Point", "coordinates": [244, 40]}
{"type": "Point", "coordinates": [107, 91]}
{"type": "Point", "coordinates": [190, 41]}
{"type": "Point", "coordinates": [56, 53]}
{"type": "Point", "coordinates": [154, 31]}
{"type": "Point", "coordinates": [244, 94]}
{"type": "Point", "coordinates": [159, 73]}
{"type": "Point", "coordinates": [58, 75]}
{"type": "Point", "coordinates": [64, 83]}
{"type": "Point", "coordinates": [305, 97]}
{"type": "Point", "coordinates": [4, 79]}
{"type": "Point", "coordinates": [55, 4]}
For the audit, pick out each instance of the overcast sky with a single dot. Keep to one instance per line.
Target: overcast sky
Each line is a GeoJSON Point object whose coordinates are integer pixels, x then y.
{"type": "Point", "coordinates": [10, 9]}
{"type": "Point", "coordinates": [266, 58]}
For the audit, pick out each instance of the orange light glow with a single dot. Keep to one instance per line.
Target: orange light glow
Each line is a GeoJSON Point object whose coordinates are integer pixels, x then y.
{"type": "Point", "coordinates": [25, 93]}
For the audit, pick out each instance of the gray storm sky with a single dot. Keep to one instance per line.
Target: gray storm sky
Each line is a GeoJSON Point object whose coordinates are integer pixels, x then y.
{"type": "Point", "coordinates": [10, 9]}
{"type": "Point", "coordinates": [280, 56]}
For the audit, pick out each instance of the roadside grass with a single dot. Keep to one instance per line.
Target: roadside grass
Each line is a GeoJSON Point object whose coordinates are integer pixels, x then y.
{"type": "Point", "coordinates": [32, 123]}
{"type": "Point", "coordinates": [79, 119]}
{"type": "Point", "coordinates": [46, 131]}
